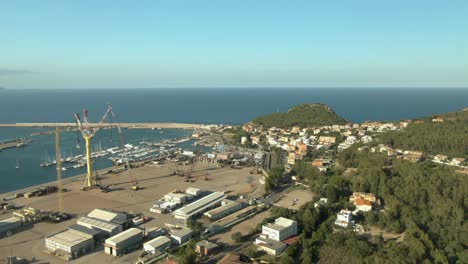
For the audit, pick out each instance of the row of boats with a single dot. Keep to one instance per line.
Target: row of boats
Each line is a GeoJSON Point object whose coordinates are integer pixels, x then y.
{"type": "Point", "coordinates": [143, 151]}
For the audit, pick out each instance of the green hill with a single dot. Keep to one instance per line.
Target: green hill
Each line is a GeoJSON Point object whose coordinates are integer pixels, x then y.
{"type": "Point", "coordinates": [449, 137]}
{"type": "Point", "coordinates": [304, 115]}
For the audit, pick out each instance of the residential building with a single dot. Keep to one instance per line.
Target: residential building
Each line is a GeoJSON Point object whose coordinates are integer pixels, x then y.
{"type": "Point", "coordinates": [363, 205]}
{"type": "Point", "coordinates": [366, 139]}
{"type": "Point", "coordinates": [326, 140]}
{"type": "Point", "coordinates": [440, 158]}
{"type": "Point", "coordinates": [365, 196]}
{"type": "Point", "coordinates": [292, 158]}
{"type": "Point", "coordinates": [321, 202]}
{"type": "Point", "coordinates": [281, 229]}
{"type": "Point", "coordinates": [344, 218]}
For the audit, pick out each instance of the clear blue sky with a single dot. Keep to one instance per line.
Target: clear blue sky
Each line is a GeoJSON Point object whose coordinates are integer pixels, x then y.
{"type": "Point", "coordinates": [233, 43]}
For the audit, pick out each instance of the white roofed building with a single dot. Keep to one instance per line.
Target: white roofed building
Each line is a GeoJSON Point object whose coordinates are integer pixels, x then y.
{"type": "Point", "coordinates": [69, 244]}
{"type": "Point", "coordinates": [127, 240]}
{"type": "Point", "coordinates": [109, 216]}
{"type": "Point", "coordinates": [200, 206]}
{"type": "Point", "coordinates": [281, 229]}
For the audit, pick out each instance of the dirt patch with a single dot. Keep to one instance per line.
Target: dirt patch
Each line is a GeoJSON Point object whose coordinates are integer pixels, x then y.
{"type": "Point", "coordinates": [295, 198]}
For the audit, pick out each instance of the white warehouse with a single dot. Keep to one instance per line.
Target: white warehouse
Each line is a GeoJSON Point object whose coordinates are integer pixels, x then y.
{"type": "Point", "coordinates": [282, 229]}
{"type": "Point", "coordinates": [199, 206]}
{"type": "Point", "coordinates": [69, 244]}
{"type": "Point", "coordinates": [158, 244]}
{"type": "Point", "coordinates": [108, 228]}
{"type": "Point", "coordinates": [126, 240]}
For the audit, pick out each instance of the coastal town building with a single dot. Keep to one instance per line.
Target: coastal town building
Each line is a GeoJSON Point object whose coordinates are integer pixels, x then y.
{"type": "Point", "coordinates": [344, 218]}
{"type": "Point", "coordinates": [322, 202]}
{"type": "Point", "coordinates": [364, 196]}
{"type": "Point", "coordinates": [362, 205]}
{"type": "Point", "coordinates": [326, 140]}
{"type": "Point", "coordinates": [281, 229]}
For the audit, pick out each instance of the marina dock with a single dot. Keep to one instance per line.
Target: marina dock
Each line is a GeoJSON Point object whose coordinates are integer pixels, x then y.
{"type": "Point", "coordinates": [16, 143]}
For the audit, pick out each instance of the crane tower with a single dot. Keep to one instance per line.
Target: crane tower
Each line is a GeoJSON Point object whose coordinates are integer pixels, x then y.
{"type": "Point", "coordinates": [88, 131]}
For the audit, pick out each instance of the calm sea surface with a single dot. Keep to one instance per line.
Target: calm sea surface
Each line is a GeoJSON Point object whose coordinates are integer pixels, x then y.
{"type": "Point", "coordinates": [227, 106]}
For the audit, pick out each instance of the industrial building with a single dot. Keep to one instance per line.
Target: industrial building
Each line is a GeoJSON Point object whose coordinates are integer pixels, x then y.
{"type": "Point", "coordinates": [280, 230]}
{"type": "Point", "coordinates": [205, 247]}
{"type": "Point", "coordinates": [95, 234]}
{"type": "Point", "coordinates": [270, 246]}
{"type": "Point", "coordinates": [107, 228]}
{"type": "Point", "coordinates": [228, 208]}
{"type": "Point", "coordinates": [29, 214]}
{"type": "Point", "coordinates": [109, 216]}
{"type": "Point", "coordinates": [69, 244]}
{"type": "Point", "coordinates": [9, 224]}
{"type": "Point", "coordinates": [199, 206]}
{"type": "Point", "coordinates": [176, 197]}
{"type": "Point", "coordinates": [125, 241]}
{"type": "Point", "coordinates": [158, 244]}
{"type": "Point", "coordinates": [193, 191]}
{"type": "Point", "coordinates": [179, 237]}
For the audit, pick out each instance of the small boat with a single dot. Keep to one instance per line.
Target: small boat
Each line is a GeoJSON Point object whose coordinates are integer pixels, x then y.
{"type": "Point", "coordinates": [17, 164]}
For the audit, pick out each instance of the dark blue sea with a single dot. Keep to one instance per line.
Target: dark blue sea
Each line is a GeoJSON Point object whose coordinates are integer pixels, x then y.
{"type": "Point", "coordinates": [226, 106]}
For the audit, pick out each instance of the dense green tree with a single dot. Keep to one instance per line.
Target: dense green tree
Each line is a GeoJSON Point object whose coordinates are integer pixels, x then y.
{"type": "Point", "coordinates": [448, 137]}
{"type": "Point", "coordinates": [274, 179]}
{"type": "Point", "coordinates": [286, 259]}
{"type": "Point", "coordinates": [305, 115]}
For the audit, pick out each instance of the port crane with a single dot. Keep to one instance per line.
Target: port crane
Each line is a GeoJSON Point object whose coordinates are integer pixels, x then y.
{"type": "Point", "coordinates": [133, 179]}
{"type": "Point", "coordinates": [88, 131]}
{"type": "Point", "coordinates": [188, 173]}
{"type": "Point", "coordinates": [58, 160]}
{"type": "Point", "coordinates": [111, 115]}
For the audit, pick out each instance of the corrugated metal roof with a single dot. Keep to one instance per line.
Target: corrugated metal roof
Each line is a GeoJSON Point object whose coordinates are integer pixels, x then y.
{"type": "Point", "coordinates": [9, 221]}
{"type": "Point", "coordinates": [157, 242]}
{"type": "Point", "coordinates": [221, 209]}
{"type": "Point", "coordinates": [84, 229]}
{"type": "Point", "coordinates": [182, 232]}
{"type": "Point", "coordinates": [124, 236]}
{"type": "Point", "coordinates": [107, 215]}
{"type": "Point", "coordinates": [68, 238]}
{"type": "Point", "coordinates": [193, 207]}
{"type": "Point", "coordinates": [98, 223]}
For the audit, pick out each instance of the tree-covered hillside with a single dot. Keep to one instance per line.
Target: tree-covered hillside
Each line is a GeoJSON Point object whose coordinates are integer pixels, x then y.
{"type": "Point", "coordinates": [305, 115]}
{"type": "Point", "coordinates": [449, 137]}
{"type": "Point", "coordinates": [424, 203]}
